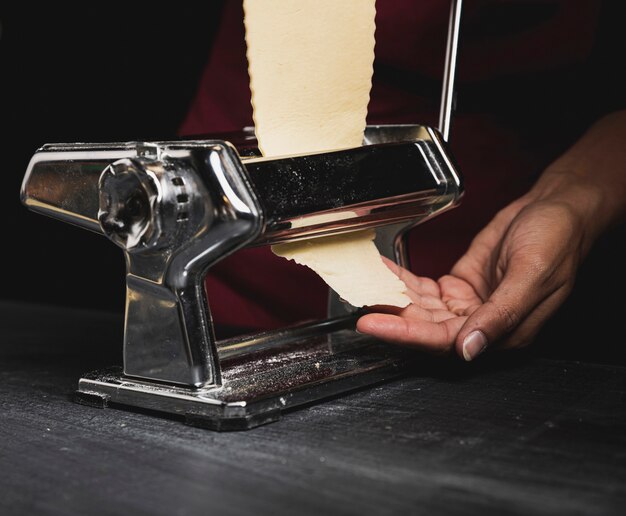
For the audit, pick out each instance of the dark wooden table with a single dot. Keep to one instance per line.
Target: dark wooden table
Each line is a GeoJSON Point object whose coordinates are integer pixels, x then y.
{"type": "Point", "coordinates": [514, 434]}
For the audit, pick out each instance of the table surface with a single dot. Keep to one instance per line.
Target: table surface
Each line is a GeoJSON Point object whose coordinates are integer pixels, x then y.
{"type": "Point", "coordinates": [513, 434]}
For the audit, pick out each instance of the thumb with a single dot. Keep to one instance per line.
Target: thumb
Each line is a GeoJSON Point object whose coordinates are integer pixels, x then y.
{"type": "Point", "coordinates": [517, 295]}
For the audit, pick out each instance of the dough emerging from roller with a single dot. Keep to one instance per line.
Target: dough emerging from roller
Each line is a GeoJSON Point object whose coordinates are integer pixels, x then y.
{"type": "Point", "coordinates": [311, 65]}
{"type": "Point", "coordinates": [351, 265]}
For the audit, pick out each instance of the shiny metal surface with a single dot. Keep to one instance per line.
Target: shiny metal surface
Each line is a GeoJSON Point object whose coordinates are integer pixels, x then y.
{"type": "Point", "coordinates": [402, 173]}
{"type": "Point", "coordinates": [174, 214]}
{"type": "Point", "coordinates": [446, 192]}
{"type": "Point", "coordinates": [262, 376]}
{"type": "Point", "coordinates": [385, 182]}
{"type": "Point", "coordinates": [447, 91]}
{"type": "Point", "coordinates": [440, 164]}
{"type": "Point", "coordinates": [176, 208]}
{"type": "Point", "coordinates": [204, 213]}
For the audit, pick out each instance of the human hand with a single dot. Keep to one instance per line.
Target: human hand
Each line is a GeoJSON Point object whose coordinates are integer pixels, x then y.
{"type": "Point", "coordinates": [516, 273]}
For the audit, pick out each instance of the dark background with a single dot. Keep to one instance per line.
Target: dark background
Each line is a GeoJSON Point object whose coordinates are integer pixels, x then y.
{"type": "Point", "coordinates": [102, 73]}
{"type": "Point", "coordinates": [94, 73]}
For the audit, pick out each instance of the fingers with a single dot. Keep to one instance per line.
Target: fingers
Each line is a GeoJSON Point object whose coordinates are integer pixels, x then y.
{"type": "Point", "coordinates": [458, 295]}
{"type": "Point", "coordinates": [414, 311]}
{"type": "Point", "coordinates": [427, 323]}
{"type": "Point", "coordinates": [426, 302]}
{"type": "Point", "coordinates": [437, 337]}
{"type": "Point", "coordinates": [523, 334]}
{"type": "Point", "coordinates": [460, 319]}
{"type": "Point", "coordinates": [530, 327]}
{"type": "Point", "coordinates": [424, 292]}
{"type": "Point", "coordinates": [422, 286]}
{"type": "Point", "coordinates": [475, 264]}
{"type": "Point", "coordinates": [518, 295]}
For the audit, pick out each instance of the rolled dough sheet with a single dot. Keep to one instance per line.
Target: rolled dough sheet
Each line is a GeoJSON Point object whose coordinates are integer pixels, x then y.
{"type": "Point", "coordinates": [351, 265]}
{"type": "Point", "coordinates": [310, 64]}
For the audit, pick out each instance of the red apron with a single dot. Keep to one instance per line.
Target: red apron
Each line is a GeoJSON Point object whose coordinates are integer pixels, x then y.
{"type": "Point", "coordinates": [499, 150]}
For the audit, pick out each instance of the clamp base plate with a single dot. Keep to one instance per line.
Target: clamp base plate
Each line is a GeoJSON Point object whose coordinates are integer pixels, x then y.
{"type": "Point", "coordinates": [262, 376]}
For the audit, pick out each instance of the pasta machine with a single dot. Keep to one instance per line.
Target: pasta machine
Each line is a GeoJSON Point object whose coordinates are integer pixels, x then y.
{"type": "Point", "coordinates": [178, 207]}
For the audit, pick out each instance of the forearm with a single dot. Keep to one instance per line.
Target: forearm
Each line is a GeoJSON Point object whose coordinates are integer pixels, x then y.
{"type": "Point", "coordinates": [591, 175]}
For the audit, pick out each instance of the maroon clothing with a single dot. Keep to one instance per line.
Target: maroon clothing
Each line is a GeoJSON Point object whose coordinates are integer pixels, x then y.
{"type": "Point", "coordinates": [510, 50]}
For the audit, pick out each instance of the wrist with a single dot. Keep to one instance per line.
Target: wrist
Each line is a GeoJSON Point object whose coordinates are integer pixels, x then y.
{"type": "Point", "coordinates": [588, 200]}
{"type": "Point", "coordinates": [593, 173]}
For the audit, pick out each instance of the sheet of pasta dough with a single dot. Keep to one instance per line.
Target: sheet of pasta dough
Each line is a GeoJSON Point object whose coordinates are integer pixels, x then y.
{"type": "Point", "coordinates": [311, 65]}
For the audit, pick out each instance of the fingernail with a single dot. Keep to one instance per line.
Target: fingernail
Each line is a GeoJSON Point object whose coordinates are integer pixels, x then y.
{"type": "Point", "coordinates": [473, 345]}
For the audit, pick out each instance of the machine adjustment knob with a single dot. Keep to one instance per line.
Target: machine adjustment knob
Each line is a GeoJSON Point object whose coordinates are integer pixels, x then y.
{"type": "Point", "coordinates": [129, 204]}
